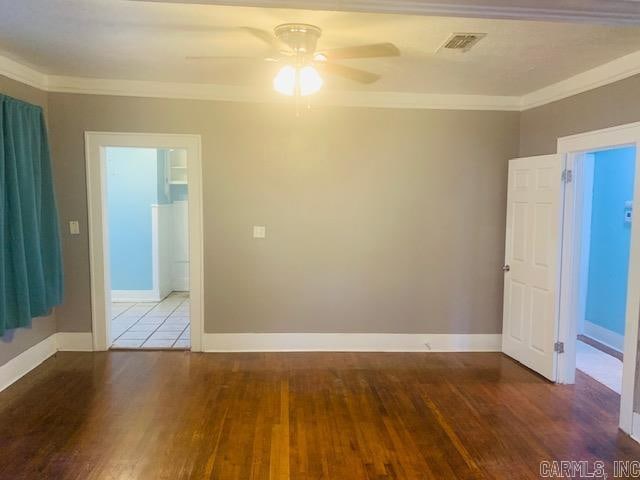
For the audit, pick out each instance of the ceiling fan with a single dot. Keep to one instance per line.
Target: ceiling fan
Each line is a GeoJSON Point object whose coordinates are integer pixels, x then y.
{"type": "Point", "coordinates": [294, 45]}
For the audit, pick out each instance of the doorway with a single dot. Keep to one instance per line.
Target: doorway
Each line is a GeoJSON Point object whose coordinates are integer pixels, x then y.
{"type": "Point", "coordinates": [581, 262]}
{"type": "Point", "coordinates": [148, 247]}
{"type": "Point", "coordinates": [145, 233]}
{"type": "Point", "coordinates": [607, 178]}
{"type": "Point", "coordinates": [547, 303]}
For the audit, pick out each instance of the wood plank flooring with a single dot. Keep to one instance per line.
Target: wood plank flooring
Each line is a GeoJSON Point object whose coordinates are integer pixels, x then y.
{"type": "Point", "coordinates": [339, 416]}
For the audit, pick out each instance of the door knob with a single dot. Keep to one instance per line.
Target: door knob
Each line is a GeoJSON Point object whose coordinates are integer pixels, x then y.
{"type": "Point", "coordinates": [506, 268]}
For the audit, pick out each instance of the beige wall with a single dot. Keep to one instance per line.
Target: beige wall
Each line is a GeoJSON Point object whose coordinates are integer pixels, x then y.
{"type": "Point", "coordinates": [17, 341]}
{"type": "Point", "coordinates": [614, 104]}
{"type": "Point", "coordinates": [378, 220]}
{"type": "Point", "coordinates": [369, 212]}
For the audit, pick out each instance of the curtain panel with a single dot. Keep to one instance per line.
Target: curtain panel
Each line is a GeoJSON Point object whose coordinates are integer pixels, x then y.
{"type": "Point", "coordinates": [31, 281]}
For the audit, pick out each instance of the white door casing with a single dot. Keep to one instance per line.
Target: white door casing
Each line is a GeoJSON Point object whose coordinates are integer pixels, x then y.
{"type": "Point", "coordinates": [532, 254]}
{"type": "Point", "coordinates": [95, 143]}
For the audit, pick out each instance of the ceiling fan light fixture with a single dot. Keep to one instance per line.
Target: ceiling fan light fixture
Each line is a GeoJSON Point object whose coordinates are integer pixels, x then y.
{"type": "Point", "coordinates": [310, 80]}
{"type": "Point", "coordinates": [285, 80]}
{"type": "Point", "coordinates": [302, 81]}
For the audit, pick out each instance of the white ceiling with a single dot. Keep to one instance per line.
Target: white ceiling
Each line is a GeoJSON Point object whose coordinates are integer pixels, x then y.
{"type": "Point", "coordinates": [120, 39]}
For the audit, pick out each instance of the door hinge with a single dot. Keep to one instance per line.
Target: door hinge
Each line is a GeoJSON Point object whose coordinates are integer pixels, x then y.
{"type": "Point", "coordinates": [558, 347]}
{"type": "Point", "coordinates": [567, 176]}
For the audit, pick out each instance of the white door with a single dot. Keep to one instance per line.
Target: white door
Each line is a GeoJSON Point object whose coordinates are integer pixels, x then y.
{"type": "Point", "coordinates": [532, 262]}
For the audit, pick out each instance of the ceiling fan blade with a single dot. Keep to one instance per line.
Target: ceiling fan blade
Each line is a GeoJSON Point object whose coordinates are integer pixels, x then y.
{"type": "Point", "coordinates": [268, 38]}
{"type": "Point", "coordinates": [362, 51]}
{"type": "Point", "coordinates": [355, 74]}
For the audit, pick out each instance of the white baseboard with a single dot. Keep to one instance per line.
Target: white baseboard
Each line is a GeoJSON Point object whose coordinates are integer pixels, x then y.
{"type": "Point", "coordinates": [136, 296]}
{"type": "Point", "coordinates": [350, 342]}
{"type": "Point", "coordinates": [604, 335]}
{"type": "Point", "coordinates": [15, 368]}
{"type": "Point", "coordinates": [19, 366]}
{"type": "Point", "coordinates": [74, 341]}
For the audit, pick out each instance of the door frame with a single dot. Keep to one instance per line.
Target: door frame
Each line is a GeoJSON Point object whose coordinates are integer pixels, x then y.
{"type": "Point", "coordinates": [95, 145]}
{"type": "Point", "coordinates": [571, 148]}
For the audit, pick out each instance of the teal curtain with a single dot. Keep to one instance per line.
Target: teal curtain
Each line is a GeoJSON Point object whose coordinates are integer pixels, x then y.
{"type": "Point", "coordinates": [30, 259]}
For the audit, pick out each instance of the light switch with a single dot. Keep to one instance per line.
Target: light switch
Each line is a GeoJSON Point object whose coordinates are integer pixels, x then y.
{"type": "Point", "coordinates": [628, 211]}
{"type": "Point", "coordinates": [74, 227]}
{"type": "Point", "coordinates": [259, 231]}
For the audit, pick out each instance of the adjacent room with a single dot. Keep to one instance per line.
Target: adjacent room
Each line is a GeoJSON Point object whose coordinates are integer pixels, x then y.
{"type": "Point", "coordinates": [307, 240]}
{"type": "Point", "coordinates": [146, 221]}
{"type": "Point", "coordinates": [607, 177]}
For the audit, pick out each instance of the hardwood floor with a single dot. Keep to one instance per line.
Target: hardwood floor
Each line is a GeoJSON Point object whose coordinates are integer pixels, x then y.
{"type": "Point", "coordinates": [171, 415]}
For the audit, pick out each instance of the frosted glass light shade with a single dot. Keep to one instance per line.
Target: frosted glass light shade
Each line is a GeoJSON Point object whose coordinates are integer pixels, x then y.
{"type": "Point", "coordinates": [290, 79]}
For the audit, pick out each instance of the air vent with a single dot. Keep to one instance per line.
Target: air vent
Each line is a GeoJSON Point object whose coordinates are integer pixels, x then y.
{"type": "Point", "coordinates": [462, 42]}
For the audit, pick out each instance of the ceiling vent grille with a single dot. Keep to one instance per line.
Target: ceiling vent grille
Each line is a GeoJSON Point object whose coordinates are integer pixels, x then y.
{"type": "Point", "coordinates": [463, 42]}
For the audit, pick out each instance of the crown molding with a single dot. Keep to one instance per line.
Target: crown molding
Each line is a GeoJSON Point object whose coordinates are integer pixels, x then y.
{"type": "Point", "coordinates": [152, 89]}
{"type": "Point", "coordinates": [22, 73]}
{"type": "Point", "coordinates": [200, 91]}
{"type": "Point", "coordinates": [607, 73]}
{"type": "Point", "coordinates": [619, 69]}
{"type": "Point", "coordinates": [430, 101]}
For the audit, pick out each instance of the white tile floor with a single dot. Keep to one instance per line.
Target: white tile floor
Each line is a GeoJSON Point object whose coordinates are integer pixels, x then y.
{"type": "Point", "coordinates": [152, 325]}
{"type": "Point", "coordinates": [599, 366]}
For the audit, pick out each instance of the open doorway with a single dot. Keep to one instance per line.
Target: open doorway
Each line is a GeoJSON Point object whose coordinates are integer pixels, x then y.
{"type": "Point", "coordinates": [145, 236]}
{"type": "Point", "coordinates": [148, 247]}
{"type": "Point", "coordinates": [571, 288]}
{"type": "Point", "coordinates": [607, 186]}
{"type": "Point", "coordinates": [600, 257]}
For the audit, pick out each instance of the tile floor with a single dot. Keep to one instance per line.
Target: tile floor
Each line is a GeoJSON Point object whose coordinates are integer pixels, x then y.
{"type": "Point", "coordinates": [600, 366]}
{"type": "Point", "coordinates": [152, 325]}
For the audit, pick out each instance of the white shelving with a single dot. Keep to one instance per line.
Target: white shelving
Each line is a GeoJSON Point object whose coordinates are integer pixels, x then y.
{"type": "Point", "coordinates": [178, 170]}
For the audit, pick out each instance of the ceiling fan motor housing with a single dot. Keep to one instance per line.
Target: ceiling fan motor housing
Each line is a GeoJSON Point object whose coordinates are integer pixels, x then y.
{"type": "Point", "coordinates": [300, 37]}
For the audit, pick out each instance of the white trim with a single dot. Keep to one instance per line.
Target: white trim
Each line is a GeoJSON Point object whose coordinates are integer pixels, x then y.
{"type": "Point", "coordinates": [350, 342]}
{"type": "Point", "coordinates": [584, 193]}
{"type": "Point", "coordinates": [161, 246]}
{"type": "Point", "coordinates": [432, 101]}
{"type": "Point", "coordinates": [22, 364]}
{"type": "Point", "coordinates": [74, 341]}
{"type": "Point", "coordinates": [571, 148]}
{"type": "Point", "coordinates": [23, 73]}
{"type": "Point", "coordinates": [99, 261]}
{"type": "Point", "coordinates": [604, 335]}
{"type": "Point", "coordinates": [155, 254]}
{"type": "Point", "coordinates": [179, 258]}
{"type": "Point", "coordinates": [599, 76]}
{"type": "Point", "coordinates": [148, 88]}
{"type": "Point", "coordinates": [203, 91]}
{"type": "Point", "coordinates": [618, 136]}
{"type": "Point", "coordinates": [136, 296]}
